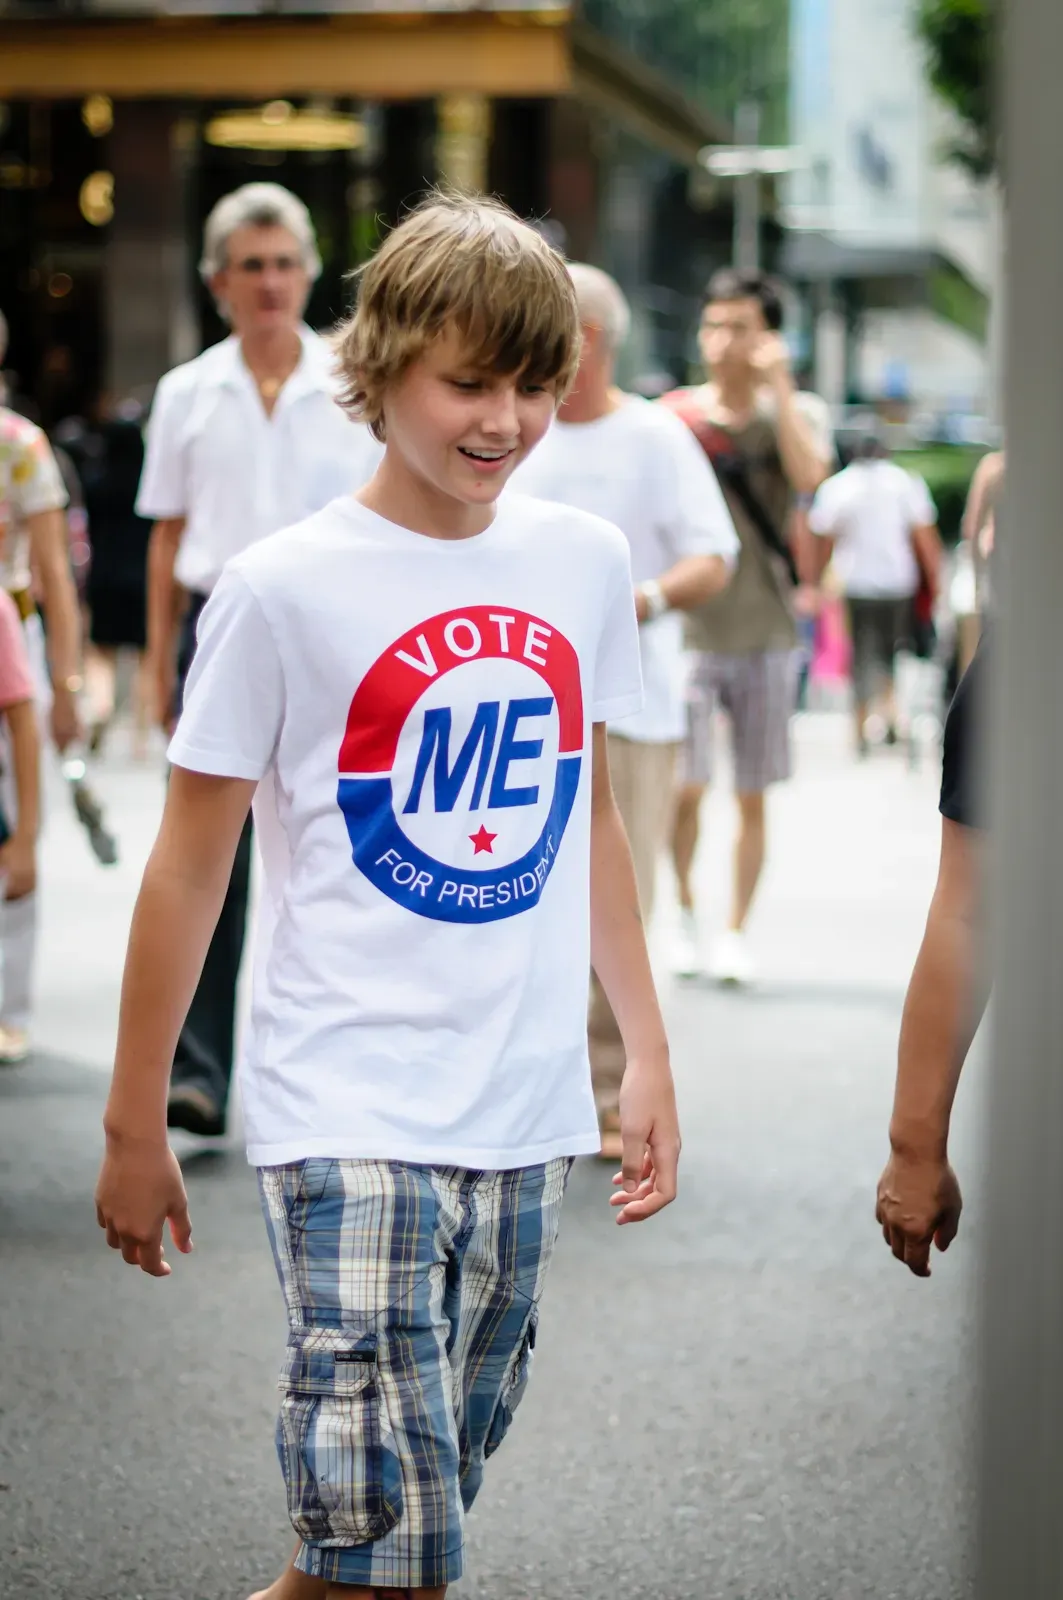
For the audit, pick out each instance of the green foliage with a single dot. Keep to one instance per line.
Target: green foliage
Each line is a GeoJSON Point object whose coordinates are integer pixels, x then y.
{"type": "Point", "coordinates": [720, 52]}
{"type": "Point", "coordinates": [948, 470]}
{"type": "Point", "coordinates": [960, 37]}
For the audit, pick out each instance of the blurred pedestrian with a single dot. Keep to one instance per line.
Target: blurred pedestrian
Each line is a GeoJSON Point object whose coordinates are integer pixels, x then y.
{"type": "Point", "coordinates": [879, 523]}
{"type": "Point", "coordinates": [919, 1200]}
{"type": "Point", "coordinates": [636, 465]}
{"type": "Point", "coordinates": [971, 584]}
{"type": "Point", "coordinates": [110, 461]}
{"type": "Point", "coordinates": [19, 767]}
{"type": "Point", "coordinates": [769, 443]}
{"type": "Point", "coordinates": [416, 1082]}
{"type": "Point", "coordinates": [34, 545]}
{"type": "Point", "coordinates": [242, 441]}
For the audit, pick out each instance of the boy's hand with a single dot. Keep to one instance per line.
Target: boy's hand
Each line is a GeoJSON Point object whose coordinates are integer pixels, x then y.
{"type": "Point", "coordinates": [649, 1128]}
{"type": "Point", "coordinates": [18, 867]}
{"type": "Point", "coordinates": [140, 1187]}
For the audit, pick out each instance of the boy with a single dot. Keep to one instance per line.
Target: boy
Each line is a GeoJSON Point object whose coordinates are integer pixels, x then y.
{"type": "Point", "coordinates": [416, 1079]}
{"type": "Point", "coordinates": [20, 760]}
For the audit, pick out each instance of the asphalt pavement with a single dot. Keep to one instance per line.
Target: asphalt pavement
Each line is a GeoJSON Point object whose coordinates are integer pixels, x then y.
{"type": "Point", "coordinates": [746, 1400]}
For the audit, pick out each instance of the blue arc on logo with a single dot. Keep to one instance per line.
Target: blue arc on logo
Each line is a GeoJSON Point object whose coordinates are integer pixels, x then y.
{"type": "Point", "coordinates": [416, 881]}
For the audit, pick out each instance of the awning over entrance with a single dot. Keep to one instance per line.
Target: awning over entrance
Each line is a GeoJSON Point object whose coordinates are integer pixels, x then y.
{"type": "Point", "coordinates": [883, 278]}
{"type": "Point", "coordinates": [385, 58]}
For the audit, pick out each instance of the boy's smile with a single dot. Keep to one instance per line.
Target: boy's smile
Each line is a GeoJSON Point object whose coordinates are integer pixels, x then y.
{"type": "Point", "coordinates": [487, 460]}
{"type": "Point", "coordinates": [455, 433]}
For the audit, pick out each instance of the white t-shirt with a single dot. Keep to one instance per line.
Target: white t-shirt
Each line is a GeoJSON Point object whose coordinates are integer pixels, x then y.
{"type": "Point", "coordinates": [871, 509]}
{"type": "Point", "coordinates": [214, 457]}
{"type": "Point", "coordinates": [641, 468]}
{"type": "Point", "coordinates": [419, 714]}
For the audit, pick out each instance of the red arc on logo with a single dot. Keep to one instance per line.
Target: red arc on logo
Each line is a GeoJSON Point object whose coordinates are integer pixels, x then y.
{"type": "Point", "coordinates": [483, 841]}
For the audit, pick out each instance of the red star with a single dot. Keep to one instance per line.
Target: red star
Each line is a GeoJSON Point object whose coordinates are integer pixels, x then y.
{"type": "Point", "coordinates": [483, 841]}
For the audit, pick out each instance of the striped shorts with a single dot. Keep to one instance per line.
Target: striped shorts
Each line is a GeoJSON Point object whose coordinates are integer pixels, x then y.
{"type": "Point", "coordinates": [412, 1297]}
{"type": "Point", "coordinates": [758, 692]}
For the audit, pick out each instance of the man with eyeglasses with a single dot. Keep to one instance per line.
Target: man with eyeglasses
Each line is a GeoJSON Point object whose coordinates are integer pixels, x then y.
{"type": "Point", "coordinates": [242, 441]}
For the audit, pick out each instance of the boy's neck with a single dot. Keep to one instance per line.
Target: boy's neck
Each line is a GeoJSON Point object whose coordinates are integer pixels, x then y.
{"type": "Point", "coordinates": [400, 496]}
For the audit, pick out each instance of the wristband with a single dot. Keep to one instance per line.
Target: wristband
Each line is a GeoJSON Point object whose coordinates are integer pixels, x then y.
{"type": "Point", "coordinates": [74, 684]}
{"type": "Point", "coordinates": [655, 598]}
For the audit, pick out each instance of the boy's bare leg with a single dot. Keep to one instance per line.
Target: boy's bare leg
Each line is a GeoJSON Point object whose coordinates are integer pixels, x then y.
{"type": "Point", "coordinates": [295, 1585]}
{"type": "Point", "coordinates": [343, 1591]}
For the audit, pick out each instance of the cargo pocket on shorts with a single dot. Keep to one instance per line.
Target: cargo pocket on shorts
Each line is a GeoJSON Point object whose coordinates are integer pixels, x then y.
{"type": "Point", "coordinates": [344, 1481]}
{"type": "Point", "coordinates": [516, 1381]}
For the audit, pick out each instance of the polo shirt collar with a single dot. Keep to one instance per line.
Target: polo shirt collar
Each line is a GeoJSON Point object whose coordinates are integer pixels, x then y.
{"type": "Point", "coordinates": [312, 375]}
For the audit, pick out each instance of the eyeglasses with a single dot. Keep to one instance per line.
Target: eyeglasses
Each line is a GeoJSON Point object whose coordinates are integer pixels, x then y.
{"type": "Point", "coordinates": [254, 266]}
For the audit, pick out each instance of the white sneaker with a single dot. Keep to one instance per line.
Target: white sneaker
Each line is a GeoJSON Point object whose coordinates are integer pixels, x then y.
{"type": "Point", "coordinates": [686, 955]}
{"type": "Point", "coordinates": [732, 962]}
{"type": "Point", "coordinates": [15, 1046]}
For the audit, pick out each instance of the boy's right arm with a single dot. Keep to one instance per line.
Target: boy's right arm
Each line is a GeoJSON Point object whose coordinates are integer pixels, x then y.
{"type": "Point", "coordinates": [140, 1184]}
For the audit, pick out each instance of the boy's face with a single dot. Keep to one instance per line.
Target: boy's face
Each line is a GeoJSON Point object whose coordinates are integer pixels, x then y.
{"type": "Point", "coordinates": [730, 334]}
{"type": "Point", "coordinates": [461, 429]}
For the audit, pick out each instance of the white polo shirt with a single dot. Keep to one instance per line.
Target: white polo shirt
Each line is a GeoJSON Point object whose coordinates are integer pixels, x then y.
{"type": "Point", "coordinates": [233, 472]}
{"type": "Point", "coordinates": [643, 470]}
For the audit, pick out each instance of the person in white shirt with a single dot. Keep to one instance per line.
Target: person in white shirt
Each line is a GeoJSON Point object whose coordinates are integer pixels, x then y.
{"type": "Point", "coordinates": [243, 440]}
{"type": "Point", "coordinates": [637, 465]}
{"type": "Point", "coordinates": [33, 546]}
{"type": "Point", "coordinates": [880, 522]}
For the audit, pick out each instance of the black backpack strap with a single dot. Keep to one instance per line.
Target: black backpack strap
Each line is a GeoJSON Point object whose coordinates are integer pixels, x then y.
{"type": "Point", "coordinates": [732, 471]}
{"type": "Point", "coordinates": [733, 474]}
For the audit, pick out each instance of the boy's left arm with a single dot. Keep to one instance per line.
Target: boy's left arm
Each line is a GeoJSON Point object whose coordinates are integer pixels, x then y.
{"type": "Point", "coordinates": [649, 1123]}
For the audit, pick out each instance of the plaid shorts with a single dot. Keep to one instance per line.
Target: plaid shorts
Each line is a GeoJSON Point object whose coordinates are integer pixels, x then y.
{"type": "Point", "coordinates": [412, 1297]}
{"type": "Point", "coordinates": [759, 693]}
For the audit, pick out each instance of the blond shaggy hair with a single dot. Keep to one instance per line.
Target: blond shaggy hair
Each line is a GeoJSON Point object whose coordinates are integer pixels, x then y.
{"type": "Point", "coordinates": [468, 264]}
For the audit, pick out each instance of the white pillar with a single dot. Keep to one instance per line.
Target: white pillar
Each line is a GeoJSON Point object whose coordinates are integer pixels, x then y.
{"type": "Point", "coordinates": [1021, 1377]}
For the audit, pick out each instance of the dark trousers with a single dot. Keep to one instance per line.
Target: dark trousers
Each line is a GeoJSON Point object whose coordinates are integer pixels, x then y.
{"type": "Point", "coordinates": [204, 1054]}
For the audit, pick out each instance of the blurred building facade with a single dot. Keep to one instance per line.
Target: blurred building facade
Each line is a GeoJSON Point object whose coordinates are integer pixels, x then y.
{"type": "Point", "coordinates": [896, 244]}
{"type": "Point", "coordinates": [123, 121]}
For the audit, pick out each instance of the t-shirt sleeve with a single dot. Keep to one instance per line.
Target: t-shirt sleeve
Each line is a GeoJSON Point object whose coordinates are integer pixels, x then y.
{"type": "Point", "coordinates": [36, 482]}
{"type": "Point", "coordinates": [163, 489]}
{"type": "Point", "coordinates": [921, 507]}
{"type": "Point", "coordinates": [698, 522]}
{"type": "Point", "coordinates": [16, 681]}
{"type": "Point", "coordinates": [961, 786]}
{"type": "Point", "coordinates": [617, 690]}
{"type": "Point", "coordinates": [823, 513]}
{"type": "Point", "coordinates": [816, 413]}
{"type": "Point", "coordinates": [234, 697]}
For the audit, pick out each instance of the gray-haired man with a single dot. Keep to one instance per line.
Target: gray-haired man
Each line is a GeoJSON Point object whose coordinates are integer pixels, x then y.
{"type": "Point", "coordinates": [242, 441]}
{"type": "Point", "coordinates": [629, 461]}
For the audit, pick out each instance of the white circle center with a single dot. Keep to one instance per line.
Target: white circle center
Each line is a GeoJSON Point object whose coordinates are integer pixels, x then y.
{"type": "Point", "coordinates": [476, 764]}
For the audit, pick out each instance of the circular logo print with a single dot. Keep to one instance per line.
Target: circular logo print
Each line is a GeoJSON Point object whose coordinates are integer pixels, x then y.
{"type": "Point", "coordinates": [461, 761]}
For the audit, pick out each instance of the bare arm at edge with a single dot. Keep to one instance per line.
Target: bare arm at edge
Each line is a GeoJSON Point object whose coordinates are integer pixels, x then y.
{"type": "Point", "coordinates": [919, 1201]}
